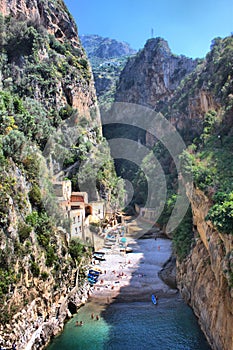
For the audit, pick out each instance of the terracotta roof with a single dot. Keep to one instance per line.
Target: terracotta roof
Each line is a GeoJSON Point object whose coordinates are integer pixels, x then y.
{"type": "Point", "coordinates": [77, 198]}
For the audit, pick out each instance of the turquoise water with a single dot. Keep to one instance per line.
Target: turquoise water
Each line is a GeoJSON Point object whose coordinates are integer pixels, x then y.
{"type": "Point", "coordinates": [170, 325]}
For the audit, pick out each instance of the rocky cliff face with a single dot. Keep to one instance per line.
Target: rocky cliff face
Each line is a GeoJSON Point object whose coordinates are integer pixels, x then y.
{"type": "Point", "coordinates": [72, 83]}
{"type": "Point", "coordinates": [205, 277]}
{"type": "Point", "coordinates": [151, 77]}
{"type": "Point", "coordinates": [39, 287]}
{"type": "Point", "coordinates": [45, 80]}
{"type": "Point", "coordinates": [52, 14]}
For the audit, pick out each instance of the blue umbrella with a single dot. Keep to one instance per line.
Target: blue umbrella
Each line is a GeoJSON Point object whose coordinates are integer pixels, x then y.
{"type": "Point", "coordinates": [123, 240]}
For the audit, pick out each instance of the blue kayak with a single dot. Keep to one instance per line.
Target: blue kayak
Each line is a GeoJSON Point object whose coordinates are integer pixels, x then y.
{"type": "Point", "coordinates": [154, 300]}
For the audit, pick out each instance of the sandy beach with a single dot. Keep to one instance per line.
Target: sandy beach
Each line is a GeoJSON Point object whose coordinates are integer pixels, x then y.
{"type": "Point", "coordinates": [133, 276]}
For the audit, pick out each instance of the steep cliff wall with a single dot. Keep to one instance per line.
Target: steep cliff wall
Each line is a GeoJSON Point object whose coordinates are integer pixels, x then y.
{"type": "Point", "coordinates": [38, 288]}
{"type": "Point", "coordinates": [68, 74]}
{"type": "Point", "coordinates": [52, 14]}
{"type": "Point", "coordinates": [151, 77]}
{"type": "Point", "coordinates": [46, 89]}
{"type": "Point", "coordinates": [205, 277]}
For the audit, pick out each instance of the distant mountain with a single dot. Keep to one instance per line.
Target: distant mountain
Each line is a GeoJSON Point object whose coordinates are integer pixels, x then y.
{"type": "Point", "coordinates": [97, 46]}
{"type": "Point", "coordinates": [108, 58]}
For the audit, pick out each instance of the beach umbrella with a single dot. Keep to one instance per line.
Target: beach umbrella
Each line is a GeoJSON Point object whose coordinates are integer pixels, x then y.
{"type": "Point", "coordinates": [123, 240]}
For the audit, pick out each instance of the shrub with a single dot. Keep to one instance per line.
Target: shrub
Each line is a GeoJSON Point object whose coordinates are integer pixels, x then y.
{"type": "Point", "coordinates": [44, 275]}
{"type": "Point", "coordinates": [35, 269]}
{"type": "Point", "coordinates": [35, 196]}
{"type": "Point", "coordinates": [221, 213]}
{"type": "Point", "coordinates": [32, 219]}
{"type": "Point", "coordinates": [66, 112]}
{"type": "Point", "coordinates": [50, 256]}
{"type": "Point", "coordinates": [76, 249]}
{"type": "Point", "coordinates": [183, 236]}
{"type": "Point", "coordinates": [24, 232]}
{"type": "Point", "coordinates": [7, 277]}
{"type": "Point", "coordinates": [83, 63]}
{"type": "Point", "coordinates": [43, 227]}
{"type": "Point", "coordinates": [14, 145]}
{"type": "Point", "coordinates": [56, 45]}
{"type": "Point", "coordinates": [32, 166]}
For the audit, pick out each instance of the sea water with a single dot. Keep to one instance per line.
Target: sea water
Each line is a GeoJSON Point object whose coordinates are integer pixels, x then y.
{"type": "Point", "coordinates": [170, 325]}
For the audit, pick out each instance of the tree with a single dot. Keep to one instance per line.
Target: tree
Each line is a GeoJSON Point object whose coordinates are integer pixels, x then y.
{"type": "Point", "coordinates": [76, 250]}
{"type": "Point", "coordinates": [14, 145]}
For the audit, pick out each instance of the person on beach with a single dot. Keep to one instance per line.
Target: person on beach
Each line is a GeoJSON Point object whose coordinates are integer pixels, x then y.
{"type": "Point", "coordinates": [97, 318]}
{"type": "Point", "coordinates": [92, 315]}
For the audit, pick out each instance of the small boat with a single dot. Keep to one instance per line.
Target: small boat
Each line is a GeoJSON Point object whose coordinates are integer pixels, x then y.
{"type": "Point", "coordinates": [92, 280]}
{"type": "Point", "coordinates": [93, 276]}
{"type": "Point", "coordinates": [128, 250]}
{"type": "Point", "coordinates": [97, 269]}
{"type": "Point", "coordinates": [99, 253]}
{"type": "Point", "coordinates": [99, 256]}
{"type": "Point", "coordinates": [108, 243]}
{"type": "Point", "coordinates": [95, 272]}
{"type": "Point", "coordinates": [154, 299]}
{"type": "Point", "coordinates": [111, 239]}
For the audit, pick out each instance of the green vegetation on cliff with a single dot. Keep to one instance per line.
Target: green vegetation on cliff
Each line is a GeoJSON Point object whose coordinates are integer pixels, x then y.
{"type": "Point", "coordinates": [44, 82]}
{"type": "Point", "coordinates": [201, 109]}
{"type": "Point", "coordinates": [209, 158]}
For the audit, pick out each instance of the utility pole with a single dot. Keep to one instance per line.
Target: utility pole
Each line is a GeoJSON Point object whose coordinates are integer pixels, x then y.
{"type": "Point", "coordinates": [152, 32]}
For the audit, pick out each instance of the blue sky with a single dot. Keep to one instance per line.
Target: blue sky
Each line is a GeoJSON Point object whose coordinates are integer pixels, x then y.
{"type": "Point", "coordinates": [187, 25]}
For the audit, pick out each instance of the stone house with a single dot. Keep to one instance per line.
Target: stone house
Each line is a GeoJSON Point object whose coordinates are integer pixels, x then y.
{"type": "Point", "coordinates": [62, 191]}
{"type": "Point", "coordinates": [98, 209]}
{"type": "Point", "coordinates": [147, 214]}
{"type": "Point", "coordinates": [77, 209]}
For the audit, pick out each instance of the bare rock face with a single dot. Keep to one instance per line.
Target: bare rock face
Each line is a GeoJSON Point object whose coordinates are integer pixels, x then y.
{"type": "Point", "coordinates": [168, 273]}
{"type": "Point", "coordinates": [204, 277]}
{"type": "Point", "coordinates": [52, 14]}
{"type": "Point", "coordinates": [73, 82]}
{"type": "Point", "coordinates": [151, 77]}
